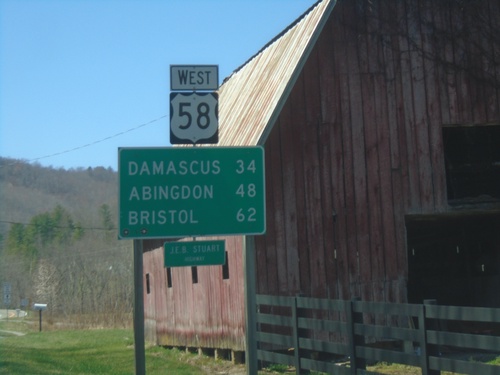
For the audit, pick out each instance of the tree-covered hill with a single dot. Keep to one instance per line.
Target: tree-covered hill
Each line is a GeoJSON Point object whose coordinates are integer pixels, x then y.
{"type": "Point", "coordinates": [58, 240]}
{"type": "Point", "coordinates": [30, 189]}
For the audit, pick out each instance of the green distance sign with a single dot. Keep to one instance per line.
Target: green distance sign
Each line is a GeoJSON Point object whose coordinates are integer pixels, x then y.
{"type": "Point", "coordinates": [187, 192]}
{"type": "Point", "coordinates": [195, 253]}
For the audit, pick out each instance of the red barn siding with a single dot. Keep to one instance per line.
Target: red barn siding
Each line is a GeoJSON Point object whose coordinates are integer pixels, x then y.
{"type": "Point", "coordinates": [208, 314]}
{"type": "Point", "coordinates": [361, 136]}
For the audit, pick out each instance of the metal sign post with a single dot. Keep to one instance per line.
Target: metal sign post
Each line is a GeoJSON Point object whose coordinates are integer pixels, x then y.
{"type": "Point", "coordinates": [6, 296]}
{"type": "Point", "coordinates": [7, 291]}
{"type": "Point", "coordinates": [40, 307]}
{"type": "Point", "coordinates": [139, 343]}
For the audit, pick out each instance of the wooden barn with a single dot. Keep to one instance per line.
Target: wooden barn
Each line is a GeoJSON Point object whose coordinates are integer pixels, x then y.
{"type": "Point", "coordinates": [380, 122]}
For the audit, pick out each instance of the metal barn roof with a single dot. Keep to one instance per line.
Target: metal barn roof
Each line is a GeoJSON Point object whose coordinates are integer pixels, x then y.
{"type": "Point", "coordinates": [252, 97]}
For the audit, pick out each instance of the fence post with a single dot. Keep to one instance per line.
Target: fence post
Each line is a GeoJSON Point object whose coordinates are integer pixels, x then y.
{"type": "Point", "coordinates": [295, 322]}
{"type": "Point", "coordinates": [422, 335]}
{"type": "Point", "coordinates": [354, 340]}
{"type": "Point", "coordinates": [428, 350]}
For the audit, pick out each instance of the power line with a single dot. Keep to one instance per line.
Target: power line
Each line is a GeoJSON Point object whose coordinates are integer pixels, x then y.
{"type": "Point", "coordinates": [92, 143]}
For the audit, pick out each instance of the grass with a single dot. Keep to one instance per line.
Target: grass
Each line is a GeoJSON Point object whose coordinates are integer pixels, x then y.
{"type": "Point", "coordinates": [85, 352]}
{"type": "Point", "coordinates": [111, 352]}
{"type": "Point", "coordinates": [16, 325]}
{"type": "Point", "coordinates": [495, 361]}
{"type": "Point", "coordinates": [94, 351]}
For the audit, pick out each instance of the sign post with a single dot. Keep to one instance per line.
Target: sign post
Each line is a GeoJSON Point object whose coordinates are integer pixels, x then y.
{"type": "Point", "coordinates": [7, 291]}
{"type": "Point", "coordinates": [40, 307]}
{"type": "Point", "coordinates": [181, 192]}
{"type": "Point", "coordinates": [139, 341]}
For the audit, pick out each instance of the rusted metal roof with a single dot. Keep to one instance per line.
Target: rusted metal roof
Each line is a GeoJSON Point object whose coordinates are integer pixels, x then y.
{"type": "Point", "coordinates": [251, 98]}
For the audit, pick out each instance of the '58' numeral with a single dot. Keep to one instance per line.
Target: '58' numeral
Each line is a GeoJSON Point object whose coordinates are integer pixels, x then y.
{"type": "Point", "coordinates": [202, 118]}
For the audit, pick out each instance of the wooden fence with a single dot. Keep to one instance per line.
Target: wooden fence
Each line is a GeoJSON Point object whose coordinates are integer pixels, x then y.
{"type": "Point", "coordinates": [341, 337]}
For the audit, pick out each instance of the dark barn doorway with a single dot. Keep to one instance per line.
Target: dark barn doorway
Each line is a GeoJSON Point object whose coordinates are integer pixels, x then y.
{"type": "Point", "coordinates": [454, 259]}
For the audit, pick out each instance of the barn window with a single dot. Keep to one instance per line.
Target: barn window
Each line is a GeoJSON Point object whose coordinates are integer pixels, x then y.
{"type": "Point", "coordinates": [148, 289]}
{"type": "Point", "coordinates": [472, 159]}
{"type": "Point", "coordinates": [169, 277]}
{"type": "Point", "coordinates": [225, 269]}
{"type": "Point", "coordinates": [194, 274]}
{"type": "Point", "coordinates": [454, 258]}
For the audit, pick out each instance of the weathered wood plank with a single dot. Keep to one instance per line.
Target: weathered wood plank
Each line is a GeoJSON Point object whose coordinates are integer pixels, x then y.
{"type": "Point", "coordinates": [278, 236]}
{"type": "Point", "coordinates": [387, 356]}
{"type": "Point", "coordinates": [340, 160]}
{"type": "Point", "coordinates": [322, 325]}
{"type": "Point", "coordinates": [387, 256]}
{"type": "Point", "coordinates": [357, 231]}
{"type": "Point", "coordinates": [328, 88]}
{"type": "Point", "coordinates": [275, 339]}
{"type": "Point", "coordinates": [422, 164]}
{"type": "Point", "coordinates": [312, 177]}
{"type": "Point", "coordinates": [463, 340]}
{"type": "Point", "coordinates": [433, 83]}
{"type": "Point", "coordinates": [481, 314]}
{"type": "Point", "coordinates": [370, 253]}
{"type": "Point", "coordinates": [298, 114]}
{"type": "Point", "coordinates": [329, 368]}
{"type": "Point", "coordinates": [410, 168]}
{"type": "Point", "coordinates": [275, 357]}
{"type": "Point", "coordinates": [450, 99]}
{"type": "Point", "coordinates": [291, 208]}
{"type": "Point", "coordinates": [269, 257]}
{"type": "Point", "coordinates": [324, 346]}
{"type": "Point", "coordinates": [393, 118]}
{"type": "Point", "coordinates": [263, 299]}
{"type": "Point", "coordinates": [464, 109]}
{"type": "Point", "coordinates": [359, 166]}
{"type": "Point", "coordinates": [327, 194]}
{"type": "Point", "coordinates": [493, 11]}
{"type": "Point", "coordinates": [379, 182]}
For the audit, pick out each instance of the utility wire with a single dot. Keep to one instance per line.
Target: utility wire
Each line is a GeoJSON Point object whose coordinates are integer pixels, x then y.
{"type": "Point", "coordinates": [92, 143]}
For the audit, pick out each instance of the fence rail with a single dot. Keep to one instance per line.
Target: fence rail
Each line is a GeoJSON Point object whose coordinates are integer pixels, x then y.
{"type": "Point", "coordinates": [341, 337]}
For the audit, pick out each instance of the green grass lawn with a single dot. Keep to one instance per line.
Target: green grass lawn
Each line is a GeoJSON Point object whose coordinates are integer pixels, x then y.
{"type": "Point", "coordinates": [111, 351]}
{"type": "Point", "coordinates": [86, 352]}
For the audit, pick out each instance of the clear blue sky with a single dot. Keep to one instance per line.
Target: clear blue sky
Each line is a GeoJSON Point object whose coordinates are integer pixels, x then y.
{"type": "Point", "coordinates": [77, 75]}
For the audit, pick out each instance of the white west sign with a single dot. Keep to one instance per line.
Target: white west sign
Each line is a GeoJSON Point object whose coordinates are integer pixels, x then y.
{"type": "Point", "coordinates": [194, 77]}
